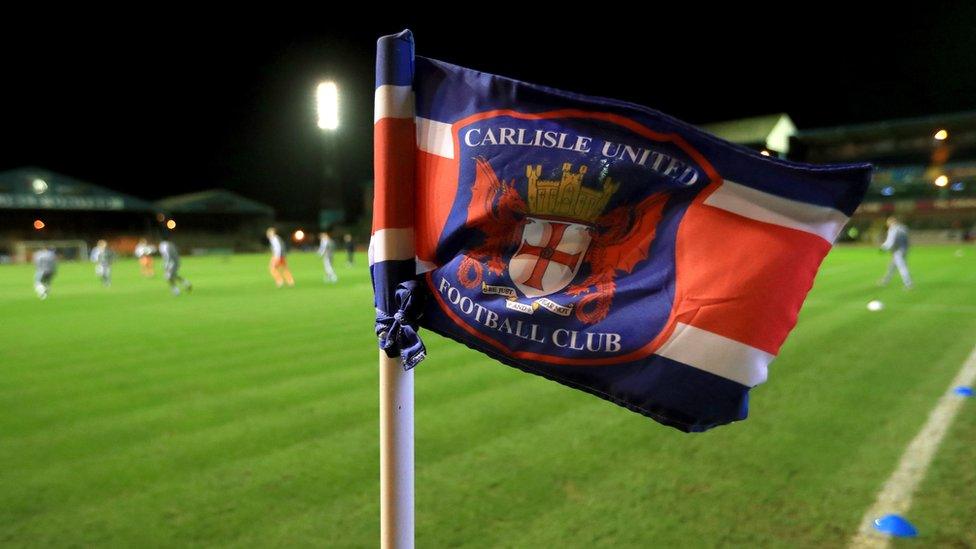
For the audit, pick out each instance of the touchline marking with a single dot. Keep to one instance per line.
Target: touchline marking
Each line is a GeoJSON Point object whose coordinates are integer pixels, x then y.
{"type": "Point", "coordinates": [896, 494]}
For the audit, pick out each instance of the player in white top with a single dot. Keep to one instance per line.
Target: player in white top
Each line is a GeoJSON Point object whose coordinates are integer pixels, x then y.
{"type": "Point", "coordinates": [278, 265]}
{"type": "Point", "coordinates": [896, 242]}
{"type": "Point", "coordinates": [171, 268]}
{"type": "Point", "coordinates": [144, 252]}
{"type": "Point", "coordinates": [46, 265]}
{"type": "Point", "coordinates": [327, 248]}
{"type": "Point", "coordinates": [103, 256]}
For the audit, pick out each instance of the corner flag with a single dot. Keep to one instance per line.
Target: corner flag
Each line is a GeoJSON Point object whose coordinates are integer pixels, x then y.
{"type": "Point", "coordinates": [594, 242]}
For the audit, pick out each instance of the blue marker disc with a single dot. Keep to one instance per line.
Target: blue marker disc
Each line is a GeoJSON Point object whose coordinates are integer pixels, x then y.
{"type": "Point", "coordinates": [895, 525]}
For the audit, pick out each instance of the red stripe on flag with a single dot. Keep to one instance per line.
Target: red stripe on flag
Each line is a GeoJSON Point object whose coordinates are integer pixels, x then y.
{"type": "Point", "coordinates": [437, 183]}
{"type": "Point", "coordinates": [740, 278]}
{"type": "Point", "coordinates": [394, 152]}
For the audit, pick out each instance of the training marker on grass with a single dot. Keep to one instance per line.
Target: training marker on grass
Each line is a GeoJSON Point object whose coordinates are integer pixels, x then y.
{"type": "Point", "coordinates": [895, 497]}
{"type": "Point", "coordinates": [895, 525]}
{"type": "Point", "coordinates": [963, 391]}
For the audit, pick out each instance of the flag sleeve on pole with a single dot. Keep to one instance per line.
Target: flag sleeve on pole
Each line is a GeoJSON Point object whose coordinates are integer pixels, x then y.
{"type": "Point", "coordinates": [391, 260]}
{"type": "Point", "coordinates": [391, 245]}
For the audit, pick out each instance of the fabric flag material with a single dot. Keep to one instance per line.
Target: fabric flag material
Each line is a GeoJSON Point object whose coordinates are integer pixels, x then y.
{"type": "Point", "coordinates": [594, 242]}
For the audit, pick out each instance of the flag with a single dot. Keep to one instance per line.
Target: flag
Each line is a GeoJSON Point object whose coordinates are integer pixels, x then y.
{"type": "Point", "coordinates": [594, 242]}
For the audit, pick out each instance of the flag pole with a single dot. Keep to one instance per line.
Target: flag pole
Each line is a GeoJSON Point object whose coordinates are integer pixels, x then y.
{"type": "Point", "coordinates": [396, 454]}
{"type": "Point", "coordinates": [392, 263]}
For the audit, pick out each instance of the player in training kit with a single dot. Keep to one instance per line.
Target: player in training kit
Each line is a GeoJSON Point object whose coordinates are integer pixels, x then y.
{"type": "Point", "coordinates": [144, 252]}
{"type": "Point", "coordinates": [279, 265]}
{"type": "Point", "coordinates": [350, 248]}
{"type": "Point", "coordinates": [897, 243]}
{"type": "Point", "coordinates": [327, 248]}
{"type": "Point", "coordinates": [171, 268]}
{"type": "Point", "coordinates": [46, 265]}
{"type": "Point", "coordinates": [103, 256]}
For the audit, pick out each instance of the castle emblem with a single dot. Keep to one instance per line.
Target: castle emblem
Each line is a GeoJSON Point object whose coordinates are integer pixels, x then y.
{"type": "Point", "coordinates": [567, 197]}
{"type": "Point", "coordinates": [559, 230]}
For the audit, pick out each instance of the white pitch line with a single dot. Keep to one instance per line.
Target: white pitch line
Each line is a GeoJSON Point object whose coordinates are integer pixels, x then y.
{"type": "Point", "coordinates": [896, 494]}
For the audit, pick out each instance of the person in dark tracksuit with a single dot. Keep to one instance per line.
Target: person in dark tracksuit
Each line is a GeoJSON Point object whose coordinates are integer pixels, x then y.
{"type": "Point", "coordinates": [350, 245]}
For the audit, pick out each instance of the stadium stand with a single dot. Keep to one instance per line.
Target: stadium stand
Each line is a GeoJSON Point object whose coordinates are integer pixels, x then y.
{"type": "Point", "coordinates": [41, 205]}
{"type": "Point", "coordinates": [218, 219]}
{"type": "Point", "coordinates": [771, 132]}
{"type": "Point", "coordinates": [925, 171]}
{"type": "Point", "coordinates": [925, 167]}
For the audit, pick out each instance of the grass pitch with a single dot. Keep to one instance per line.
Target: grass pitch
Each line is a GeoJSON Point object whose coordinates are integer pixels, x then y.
{"type": "Point", "coordinates": [245, 415]}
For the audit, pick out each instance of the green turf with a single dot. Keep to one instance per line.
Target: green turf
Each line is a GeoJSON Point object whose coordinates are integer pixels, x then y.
{"type": "Point", "coordinates": [944, 510]}
{"type": "Point", "coordinates": [245, 415]}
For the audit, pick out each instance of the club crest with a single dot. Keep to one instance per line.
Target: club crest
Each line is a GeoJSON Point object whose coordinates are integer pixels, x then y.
{"type": "Point", "coordinates": [540, 243]}
{"type": "Point", "coordinates": [559, 244]}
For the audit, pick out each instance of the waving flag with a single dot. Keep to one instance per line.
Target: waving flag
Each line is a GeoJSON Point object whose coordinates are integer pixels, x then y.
{"type": "Point", "coordinates": [594, 242]}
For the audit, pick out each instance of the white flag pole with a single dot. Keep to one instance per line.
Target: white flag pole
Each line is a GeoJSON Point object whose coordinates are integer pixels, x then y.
{"type": "Point", "coordinates": [396, 454]}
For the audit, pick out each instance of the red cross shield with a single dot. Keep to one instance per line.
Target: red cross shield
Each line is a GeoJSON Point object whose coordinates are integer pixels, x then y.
{"type": "Point", "coordinates": [549, 257]}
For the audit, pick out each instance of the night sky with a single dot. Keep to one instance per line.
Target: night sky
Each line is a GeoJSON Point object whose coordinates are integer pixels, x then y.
{"type": "Point", "coordinates": [172, 104]}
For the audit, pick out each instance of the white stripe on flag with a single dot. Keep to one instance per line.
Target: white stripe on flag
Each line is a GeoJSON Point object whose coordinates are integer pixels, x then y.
{"type": "Point", "coordinates": [755, 204]}
{"type": "Point", "coordinates": [435, 137]}
{"type": "Point", "coordinates": [716, 354]}
{"type": "Point", "coordinates": [393, 102]}
{"type": "Point", "coordinates": [391, 245]}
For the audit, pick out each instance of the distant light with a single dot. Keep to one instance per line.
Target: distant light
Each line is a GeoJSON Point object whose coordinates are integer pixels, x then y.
{"type": "Point", "coordinates": [299, 235]}
{"type": "Point", "coordinates": [170, 224]}
{"type": "Point", "coordinates": [959, 186]}
{"type": "Point", "coordinates": [38, 224]}
{"type": "Point", "coordinates": [39, 186]}
{"type": "Point", "coordinates": [941, 135]}
{"type": "Point", "coordinates": [942, 180]}
{"type": "Point", "coordinates": [764, 152]}
{"type": "Point", "coordinates": [160, 217]}
{"type": "Point", "coordinates": [327, 105]}
{"type": "Point", "coordinates": [888, 191]}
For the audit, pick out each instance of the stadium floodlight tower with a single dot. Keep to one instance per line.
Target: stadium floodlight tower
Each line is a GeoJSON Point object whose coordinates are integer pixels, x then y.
{"type": "Point", "coordinates": [333, 195]}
